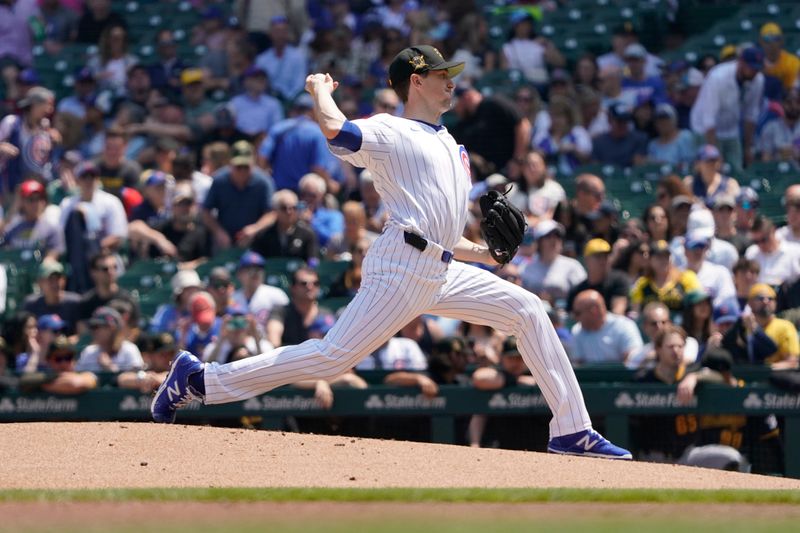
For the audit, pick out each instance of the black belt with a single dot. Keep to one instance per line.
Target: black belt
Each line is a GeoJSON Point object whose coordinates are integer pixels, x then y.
{"type": "Point", "coordinates": [420, 243]}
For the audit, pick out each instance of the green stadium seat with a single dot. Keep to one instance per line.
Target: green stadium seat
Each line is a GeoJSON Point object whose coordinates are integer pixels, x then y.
{"type": "Point", "coordinates": [335, 304]}
{"type": "Point", "coordinates": [283, 265]}
{"type": "Point", "coordinates": [330, 271]}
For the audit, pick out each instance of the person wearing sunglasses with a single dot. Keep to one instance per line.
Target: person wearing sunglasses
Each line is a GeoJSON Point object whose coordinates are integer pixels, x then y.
{"type": "Point", "coordinates": [289, 235]}
{"type": "Point", "coordinates": [289, 324]}
{"type": "Point", "coordinates": [759, 337]}
{"type": "Point", "coordinates": [779, 261]}
{"type": "Point", "coordinates": [59, 375]}
{"type": "Point", "coordinates": [791, 202]}
{"type": "Point", "coordinates": [104, 270]}
{"type": "Point", "coordinates": [254, 295]}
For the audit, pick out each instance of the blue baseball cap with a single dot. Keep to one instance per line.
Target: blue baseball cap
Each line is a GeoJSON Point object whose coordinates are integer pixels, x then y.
{"type": "Point", "coordinates": [708, 152]}
{"type": "Point", "coordinates": [753, 57]}
{"type": "Point", "coordinates": [520, 15]}
{"type": "Point", "coordinates": [156, 178]}
{"type": "Point", "coordinates": [51, 322]}
{"type": "Point", "coordinates": [251, 259]}
{"type": "Point", "coordinates": [727, 311]}
{"type": "Point", "coordinates": [29, 77]}
{"type": "Point", "coordinates": [322, 324]}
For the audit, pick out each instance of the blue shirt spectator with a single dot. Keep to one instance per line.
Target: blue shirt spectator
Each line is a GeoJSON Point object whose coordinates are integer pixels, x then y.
{"type": "Point", "coordinates": [621, 146]}
{"type": "Point", "coordinates": [255, 111]}
{"type": "Point", "coordinates": [240, 195]}
{"type": "Point", "coordinates": [295, 147]}
{"type": "Point", "coordinates": [637, 81]}
{"type": "Point", "coordinates": [673, 145]}
{"type": "Point", "coordinates": [285, 64]}
{"type": "Point", "coordinates": [600, 336]}
{"type": "Point", "coordinates": [326, 223]}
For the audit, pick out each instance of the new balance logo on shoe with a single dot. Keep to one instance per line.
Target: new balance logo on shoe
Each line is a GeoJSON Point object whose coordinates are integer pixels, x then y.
{"type": "Point", "coordinates": [585, 443]}
{"type": "Point", "coordinates": [174, 394]}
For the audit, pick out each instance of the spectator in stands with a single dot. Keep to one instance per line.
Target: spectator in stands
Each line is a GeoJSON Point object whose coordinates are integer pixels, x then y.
{"type": "Point", "coordinates": [97, 17]}
{"type": "Point", "coordinates": [199, 110]}
{"type": "Point", "coordinates": [687, 88]}
{"type": "Point", "coordinates": [202, 326]}
{"type": "Point", "coordinates": [747, 204]}
{"type": "Point", "coordinates": [725, 316]}
{"type": "Point", "coordinates": [327, 223]}
{"type": "Point", "coordinates": [157, 352]}
{"type": "Point", "coordinates": [350, 281]}
{"type": "Point", "coordinates": [779, 261]}
{"type": "Point", "coordinates": [52, 299]}
{"type": "Point", "coordinates": [256, 112]}
{"type": "Point", "coordinates": [715, 279]}
{"type": "Point", "coordinates": [16, 44]}
{"type": "Point", "coordinates": [511, 371]}
{"type": "Point", "coordinates": [623, 36]}
{"type": "Point", "coordinates": [759, 337]}
{"type": "Point", "coordinates": [662, 281]}
{"type": "Point", "coordinates": [595, 118]}
{"type": "Point", "coordinates": [585, 72]}
{"type": "Point", "coordinates": [239, 337]}
{"type": "Point", "coordinates": [182, 236]}
{"type": "Point", "coordinates": [241, 195]}
{"type": "Point", "coordinates": [550, 274]}
{"type": "Point", "coordinates": [184, 171]}
{"type": "Point", "coordinates": [540, 192]}
{"type": "Point", "coordinates": [285, 63]}
{"type": "Point", "coordinates": [153, 208]}
{"type": "Point", "coordinates": [288, 236]}
{"type": "Point", "coordinates": [165, 72]}
{"type": "Point", "coordinates": [27, 141]}
{"type": "Point", "coordinates": [725, 222]}
{"type": "Point", "coordinates": [745, 275]}
{"type": "Point", "coordinates": [371, 199]}
{"type": "Point", "coordinates": [60, 25]}
{"type": "Point", "coordinates": [404, 356]}
{"type": "Point", "coordinates": [722, 110]}
{"type": "Point", "coordinates": [613, 285]}
{"type": "Point", "coordinates": [566, 143]}
{"type": "Point", "coordinates": [610, 81]}
{"type": "Point", "coordinates": [780, 138]}
{"type": "Point", "coordinates": [254, 296]}
{"type": "Point", "coordinates": [139, 90]}
{"type": "Point", "coordinates": [673, 145]}
{"type": "Point", "coordinates": [104, 272]}
{"type": "Point", "coordinates": [491, 127]}
{"type": "Point", "coordinates": [668, 188]}
{"type": "Point", "coordinates": [656, 318]}
{"type": "Point", "coordinates": [621, 146]}
{"type": "Point", "coordinates": [448, 362]}
{"type": "Point", "coordinates": [288, 325]}
{"type": "Point", "coordinates": [777, 61]}
{"type": "Point", "coordinates": [708, 183]}
{"type": "Point", "coordinates": [638, 82]}
{"type": "Point", "coordinates": [656, 223]}
{"type": "Point", "coordinates": [111, 66]}
{"type": "Point", "coordinates": [600, 336]}
{"type": "Point", "coordinates": [679, 211]}
{"type": "Point", "coordinates": [184, 285]}
{"type": "Point", "coordinates": [61, 375]}
{"type": "Point", "coordinates": [93, 220]}
{"type": "Point", "coordinates": [296, 146]}
{"type": "Point", "coordinates": [109, 351]}
{"type": "Point", "coordinates": [698, 319]}
{"type": "Point", "coordinates": [48, 327]}
{"type": "Point", "coordinates": [355, 230]}
{"type": "Point", "coordinates": [220, 287]}
{"type": "Point", "coordinates": [700, 224]}
{"type": "Point", "coordinates": [117, 171]}
{"type": "Point", "coordinates": [632, 258]}
{"type": "Point", "coordinates": [791, 201]}
{"type": "Point", "coordinates": [83, 91]}
{"type": "Point", "coordinates": [36, 225]}
{"type": "Point", "coordinates": [529, 53]}
{"type": "Point", "coordinates": [590, 192]}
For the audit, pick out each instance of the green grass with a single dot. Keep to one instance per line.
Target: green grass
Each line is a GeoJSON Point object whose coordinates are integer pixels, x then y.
{"type": "Point", "coordinates": [406, 495]}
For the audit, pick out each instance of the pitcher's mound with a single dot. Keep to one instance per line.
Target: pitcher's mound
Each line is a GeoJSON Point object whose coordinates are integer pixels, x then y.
{"type": "Point", "coordinates": [106, 455]}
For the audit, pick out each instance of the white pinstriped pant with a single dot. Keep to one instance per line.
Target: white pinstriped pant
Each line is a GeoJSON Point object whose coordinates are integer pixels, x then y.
{"type": "Point", "coordinates": [399, 283]}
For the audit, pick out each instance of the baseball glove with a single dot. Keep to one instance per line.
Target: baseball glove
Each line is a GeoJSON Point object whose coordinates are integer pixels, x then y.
{"type": "Point", "coordinates": [502, 226]}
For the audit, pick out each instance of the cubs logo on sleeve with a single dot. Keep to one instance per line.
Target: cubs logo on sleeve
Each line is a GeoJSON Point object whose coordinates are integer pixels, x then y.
{"type": "Point", "coordinates": [462, 152]}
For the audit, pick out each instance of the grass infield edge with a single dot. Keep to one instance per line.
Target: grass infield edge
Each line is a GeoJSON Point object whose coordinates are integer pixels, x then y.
{"type": "Point", "coordinates": [439, 495]}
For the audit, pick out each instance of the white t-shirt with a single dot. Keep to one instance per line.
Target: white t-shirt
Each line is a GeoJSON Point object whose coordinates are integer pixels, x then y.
{"type": "Point", "coordinates": [399, 353]}
{"type": "Point", "coordinates": [127, 358]}
{"type": "Point", "coordinates": [264, 300]}
{"type": "Point", "coordinates": [720, 253]}
{"type": "Point", "coordinates": [779, 266]}
{"type": "Point", "coordinates": [717, 281]}
{"type": "Point", "coordinates": [545, 198]}
{"type": "Point", "coordinates": [557, 278]}
{"type": "Point", "coordinates": [527, 55]}
{"type": "Point", "coordinates": [47, 232]}
{"type": "Point", "coordinates": [104, 214]}
{"type": "Point", "coordinates": [785, 234]}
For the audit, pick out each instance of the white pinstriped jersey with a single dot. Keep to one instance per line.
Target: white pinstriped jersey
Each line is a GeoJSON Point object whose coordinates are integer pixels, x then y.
{"type": "Point", "coordinates": [424, 182]}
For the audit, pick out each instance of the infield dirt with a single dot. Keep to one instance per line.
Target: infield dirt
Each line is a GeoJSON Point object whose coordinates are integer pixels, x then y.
{"type": "Point", "coordinates": [123, 455]}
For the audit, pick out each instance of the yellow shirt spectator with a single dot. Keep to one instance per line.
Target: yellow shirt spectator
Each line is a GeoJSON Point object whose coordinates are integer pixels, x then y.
{"type": "Point", "coordinates": [670, 294]}
{"type": "Point", "coordinates": [785, 69]}
{"type": "Point", "coordinates": [784, 334]}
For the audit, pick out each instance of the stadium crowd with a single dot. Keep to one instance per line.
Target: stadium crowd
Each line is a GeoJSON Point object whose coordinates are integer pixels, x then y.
{"type": "Point", "coordinates": [176, 159]}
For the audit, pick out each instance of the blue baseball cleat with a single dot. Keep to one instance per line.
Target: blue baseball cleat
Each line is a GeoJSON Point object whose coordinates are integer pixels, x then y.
{"type": "Point", "coordinates": [176, 392]}
{"type": "Point", "coordinates": [587, 443]}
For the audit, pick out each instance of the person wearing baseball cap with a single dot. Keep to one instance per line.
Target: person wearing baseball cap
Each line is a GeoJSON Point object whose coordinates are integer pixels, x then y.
{"type": "Point", "coordinates": [759, 337]}
{"type": "Point", "coordinates": [662, 281]}
{"type": "Point", "coordinates": [551, 274]}
{"type": "Point", "coordinates": [622, 145]}
{"type": "Point", "coordinates": [204, 325]}
{"type": "Point", "coordinates": [255, 111]}
{"type": "Point", "coordinates": [646, 87]}
{"type": "Point", "coordinates": [673, 145]}
{"type": "Point", "coordinates": [109, 351]}
{"type": "Point", "coordinates": [708, 182]}
{"type": "Point", "coordinates": [778, 62]}
{"type": "Point", "coordinates": [35, 225]}
{"type": "Point", "coordinates": [613, 285]}
{"type": "Point", "coordinates": [729, 103]}
{"type": "Point", "coordinates": [254, 295]}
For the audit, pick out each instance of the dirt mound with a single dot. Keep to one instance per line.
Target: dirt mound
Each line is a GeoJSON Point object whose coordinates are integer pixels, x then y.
{"type": "Point", "coordinates": [104, 455]}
